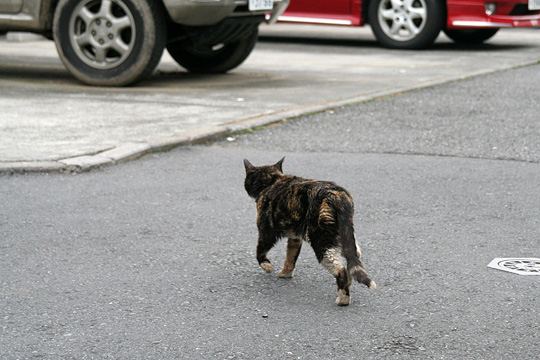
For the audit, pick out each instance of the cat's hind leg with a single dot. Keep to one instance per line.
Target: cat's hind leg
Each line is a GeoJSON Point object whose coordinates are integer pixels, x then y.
{"type": "Point", "coordinates": [333, 261]}
{"type": "Point", "coordinates": [294, 246]}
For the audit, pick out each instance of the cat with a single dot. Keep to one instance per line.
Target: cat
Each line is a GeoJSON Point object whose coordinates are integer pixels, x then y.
{"type": "Point", "coordinates": [318, 212]}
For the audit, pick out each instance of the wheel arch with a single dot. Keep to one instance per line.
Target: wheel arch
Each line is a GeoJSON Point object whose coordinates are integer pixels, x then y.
{"type": "Point", "coordinates": [48, 7]}
{"type": "Point", "coordinates": [365, 12]}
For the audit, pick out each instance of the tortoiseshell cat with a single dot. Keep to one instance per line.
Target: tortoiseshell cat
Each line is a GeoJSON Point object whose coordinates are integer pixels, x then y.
{"type": "Point", "coordinates": [319, 212]}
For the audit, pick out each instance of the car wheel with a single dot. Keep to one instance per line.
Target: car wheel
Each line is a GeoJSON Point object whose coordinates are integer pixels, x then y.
{"type": "Point", "coordinates": [470, 36]}
{"type": "Point", "coordinates": [213, 58]}
{"type": "Point", "coordinates": [406, 24]}
{"type": "Point", "coordinates": [109, 42]}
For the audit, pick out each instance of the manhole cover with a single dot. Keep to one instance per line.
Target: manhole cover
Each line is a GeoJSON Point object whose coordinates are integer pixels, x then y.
{"type": "Point", "coordinates": [521, 266]}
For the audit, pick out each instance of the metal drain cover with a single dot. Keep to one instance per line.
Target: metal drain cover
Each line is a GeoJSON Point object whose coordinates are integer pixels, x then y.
{"type": "Point", "coordinates": [520, 266]}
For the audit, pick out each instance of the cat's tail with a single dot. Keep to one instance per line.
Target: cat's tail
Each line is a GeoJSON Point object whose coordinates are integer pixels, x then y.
{"type": "Point", "coordinates": [351, 252]}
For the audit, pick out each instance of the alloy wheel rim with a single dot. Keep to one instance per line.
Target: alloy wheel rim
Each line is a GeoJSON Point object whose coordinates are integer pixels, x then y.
{"type": "Point", "coordinates": [402, 20]}
{"type": "Point", "coordinates": [102, 33]}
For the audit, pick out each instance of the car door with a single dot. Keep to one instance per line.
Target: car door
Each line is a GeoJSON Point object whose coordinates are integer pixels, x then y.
{"type": "Point", "coordinates": [10, 6]}
{"type": "Point", "coordinates": [320, 11]}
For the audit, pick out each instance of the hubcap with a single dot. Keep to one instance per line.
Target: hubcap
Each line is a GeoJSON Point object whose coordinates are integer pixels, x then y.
{"type": "Point", "coordinates": [402, 20]}
{"type": "Point", "coordinates": [102, 32]}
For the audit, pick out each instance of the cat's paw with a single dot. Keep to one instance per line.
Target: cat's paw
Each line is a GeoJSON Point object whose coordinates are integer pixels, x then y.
{"type": "Point", "coordinates": [342, 298]}
{"type": "Point", "coordinates": [285, 274]}
{"type": "Point", "coordinates": [266, 266]}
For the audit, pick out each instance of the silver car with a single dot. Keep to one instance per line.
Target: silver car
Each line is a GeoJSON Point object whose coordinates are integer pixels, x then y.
{"type": "Point", "coordinates": [118, 42]}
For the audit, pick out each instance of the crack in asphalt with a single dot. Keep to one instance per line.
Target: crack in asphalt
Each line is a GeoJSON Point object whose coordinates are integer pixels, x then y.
{"type": "Point", "coordinates": [434, 155]}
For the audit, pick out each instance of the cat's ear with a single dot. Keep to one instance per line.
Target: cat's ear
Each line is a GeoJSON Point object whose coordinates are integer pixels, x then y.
{"type": "Point", "coordinates": [248, 165]}
{"type": "Point", "coordinates": [279, 164]}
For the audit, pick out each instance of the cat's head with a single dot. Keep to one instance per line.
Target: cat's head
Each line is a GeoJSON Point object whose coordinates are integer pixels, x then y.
{"type": "Point", "coordinates": [259, 178]}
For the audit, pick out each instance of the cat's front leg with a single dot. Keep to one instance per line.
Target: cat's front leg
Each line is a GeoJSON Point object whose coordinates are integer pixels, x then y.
{"type": "Point", "coordinates": [265, 243]}
{"type": "Point", "coordinates": [293, 250]}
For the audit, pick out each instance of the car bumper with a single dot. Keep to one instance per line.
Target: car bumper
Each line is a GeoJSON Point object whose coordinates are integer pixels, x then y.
{"type": "Point", "coordinates": [210, 12]}
{"type": "Point", "coordinates": [508, 14]}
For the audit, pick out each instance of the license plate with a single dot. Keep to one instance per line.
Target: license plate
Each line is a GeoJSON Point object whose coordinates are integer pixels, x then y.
{"type": "Point", "coordinates": [534, 4]}
{"type": "Point", "coordinates": [256, 5]}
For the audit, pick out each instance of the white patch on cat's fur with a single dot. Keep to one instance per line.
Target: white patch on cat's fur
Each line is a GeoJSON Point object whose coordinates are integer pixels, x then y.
{"type": "Point", "coordinates": [342, 298]}
{"type": "Point", "coordinates": [333, 260]}
{"type": "Point", "coordinates": [355, 269]}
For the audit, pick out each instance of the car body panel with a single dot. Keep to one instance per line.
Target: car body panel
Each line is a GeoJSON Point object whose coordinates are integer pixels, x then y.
{"type": "Point", "coordinates": [36, 15]}
{"type": "Point", "coordinates": [336, 12]}
{"type": "Point", "coordinates": [472, 14]}
{"type": "Point", "coordinates": [461, 14]}
{"type": "Point", "coordinates": [32, 15]}
{"type": "Point", "coordinates": [200, 12]}
{"type": "Point", "coordinates": [208, 12]}
{"type": "Point", "coordinates": [10, 6]}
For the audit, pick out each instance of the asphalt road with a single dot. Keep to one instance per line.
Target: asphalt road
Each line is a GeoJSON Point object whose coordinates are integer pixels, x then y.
{"type": "Point", "coordinates": [154, 259]}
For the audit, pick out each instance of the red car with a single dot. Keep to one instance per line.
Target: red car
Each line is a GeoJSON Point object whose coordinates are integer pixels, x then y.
{"type": "Point", "coordinates": [415, 24]}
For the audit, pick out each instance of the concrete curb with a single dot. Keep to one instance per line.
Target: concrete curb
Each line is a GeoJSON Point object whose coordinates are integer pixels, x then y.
{"type": "Point", "coordinates": [134, 150]}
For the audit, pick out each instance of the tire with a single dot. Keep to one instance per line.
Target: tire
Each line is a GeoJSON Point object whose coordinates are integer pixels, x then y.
{"type": "Point", "coordinates": [113, 45]}
{"type": "Point", "coordinates": [406, 24]}
{"type": "Point", "coordinates": [212, 59]}
{"type": "Point", "coordinates": [471, 36]}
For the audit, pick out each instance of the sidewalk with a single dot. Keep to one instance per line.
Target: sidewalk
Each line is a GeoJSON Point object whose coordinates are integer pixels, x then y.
{"type": "Point", "coordinates": [51, 122]}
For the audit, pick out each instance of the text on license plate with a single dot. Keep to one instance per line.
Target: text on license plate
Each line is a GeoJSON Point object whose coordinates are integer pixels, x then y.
{"type": "Point", "coordinates": [255, 5]}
